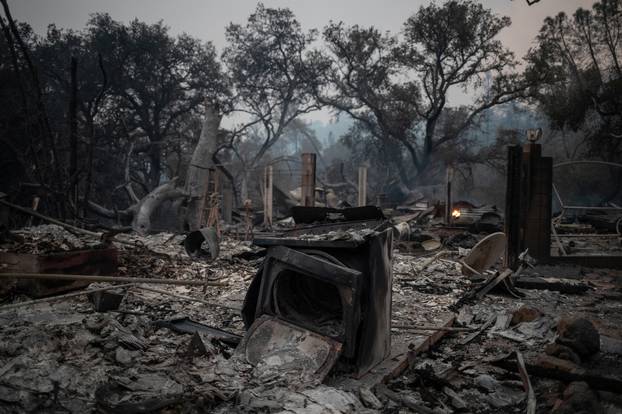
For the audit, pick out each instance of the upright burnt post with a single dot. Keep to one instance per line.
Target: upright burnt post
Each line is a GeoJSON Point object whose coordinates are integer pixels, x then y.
{"type": "Point", "coordinates": [267, 197]}
{"type": "Point", "coordinates": [528, 202]}
{"type": "Point", "coordinates": [362, 187]}
{"type": "Point", "coordinates": [537, 233]}
{"type": "Point", "coordinates": [513, 206]}
{"type": "Point", "coordinates": [448, 202]}
{"type": "Point", "coordinates": [308, 180]}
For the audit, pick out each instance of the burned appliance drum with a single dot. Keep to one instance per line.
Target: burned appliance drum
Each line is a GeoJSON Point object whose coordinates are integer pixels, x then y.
{"type": "Point", "coordinates": [340, 292]}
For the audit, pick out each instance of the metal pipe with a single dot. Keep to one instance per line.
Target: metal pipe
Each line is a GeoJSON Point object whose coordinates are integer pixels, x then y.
{"type": "Point", "coordinates": [61, 297]}
{"type": "Point", "coordinates": [561, 203]}
{"type": "Point", "coordinates": [187, 298]}
{"type": "Point", "coordinates": [591, 208]}
{"type": "Point", "coordinates": [52, 276]}
{"type": "Point", "coordinates": [612, 164]}
{"type": "Point", "coordinates": [590, 235]}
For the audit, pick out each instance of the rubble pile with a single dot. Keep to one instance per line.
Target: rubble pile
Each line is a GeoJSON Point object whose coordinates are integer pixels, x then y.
{"type": "Point", "coordinates": [140, 356]}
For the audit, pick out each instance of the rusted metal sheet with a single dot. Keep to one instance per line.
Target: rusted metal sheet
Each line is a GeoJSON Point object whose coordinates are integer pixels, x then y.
{"type": "Point", "coordinates": [274, 345]}
{"type": "Point", "coordinates": [87, 262]}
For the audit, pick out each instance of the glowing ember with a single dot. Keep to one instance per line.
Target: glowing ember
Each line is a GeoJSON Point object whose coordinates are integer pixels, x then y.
{"type": "Point", "coordinates": [455, 213]}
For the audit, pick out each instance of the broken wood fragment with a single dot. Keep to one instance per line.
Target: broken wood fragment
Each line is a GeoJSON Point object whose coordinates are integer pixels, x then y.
{"type": "Point", "coordinates": [493, 283]}
{"type": "Point", "coordinates": [432, 259]}
{"type": "Point", "coordinates": [403, 400]}
{"type": "Point", "coordinates": [479, 331]}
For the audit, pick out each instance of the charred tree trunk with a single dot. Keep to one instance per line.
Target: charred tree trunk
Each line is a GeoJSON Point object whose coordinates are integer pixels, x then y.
{"type": "Point", "coordinates": [155, 160]}
{"type": "Point", "coordinates": [150, 203]}
{"type": "Point", "coordinates": [198, 170]}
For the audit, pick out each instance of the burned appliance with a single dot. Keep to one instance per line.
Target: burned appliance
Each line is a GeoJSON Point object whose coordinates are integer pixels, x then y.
{"type": "Point", "coordinates": [338, 289]}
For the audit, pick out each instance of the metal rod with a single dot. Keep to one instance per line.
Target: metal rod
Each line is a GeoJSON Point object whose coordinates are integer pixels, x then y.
{"type": "Point", "coordinates": [61, 297]}
{"type": "Point", "coordinates": [559, 198]}
{"type": "Point", "coordinates": [52, 276]}
{"type": "Point", "coordinates": [187, 298]}
{"type": "Point", "coordinates": [50, 219]}
{"type": "Point", "coordinates": [69, 227]}
{"type": "Point", "coordinates": [612, 164]}
{"type": "Point", "coordinates": [559, 242]}
{"type": "Point", "coordinates": [432, 328]}
{"type": "Point", "coordinates": [588, 235]}
{"type": "Point", "coordinates": [592, 208]}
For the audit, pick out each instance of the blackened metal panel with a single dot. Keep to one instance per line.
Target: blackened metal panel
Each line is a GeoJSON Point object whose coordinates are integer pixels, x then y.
{"type": "Point", "coordinates": [249, 308]}
{"type": "Point", "coordinates": [311, 215]}
{"type": "Point", "coordinates": [292, 351]}
{"type": "Point", "coordinates": [375, 341]}
{"type": "Point", "coordinates": [280, 259]}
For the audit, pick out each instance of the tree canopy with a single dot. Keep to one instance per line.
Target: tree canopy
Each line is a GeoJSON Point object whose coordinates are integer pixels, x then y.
{"type": "Point", "coordinates": [578, 58]}
{"type": "Point", "coordinates": [398, 86]}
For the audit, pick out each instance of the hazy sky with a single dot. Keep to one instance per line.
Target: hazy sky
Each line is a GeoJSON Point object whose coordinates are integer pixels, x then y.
{"type": "Point", "coordinates": [206, 19]}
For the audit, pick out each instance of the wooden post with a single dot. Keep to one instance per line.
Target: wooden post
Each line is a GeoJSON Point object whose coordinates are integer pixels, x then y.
{"type": "Point", "coordinates": [308, 180]}
{"type": "Point", "coordinates": [448, 201]}
{"type": "Point", "coordinates": [528, 203]}
{"type": "Point", "coordinates": [267, 197]}
{"type": "Point", "coordinates": [362, 200]}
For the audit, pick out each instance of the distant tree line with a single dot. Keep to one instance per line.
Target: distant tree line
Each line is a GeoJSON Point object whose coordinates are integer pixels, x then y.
{"type": "Point", "coordinates": [104, 115]}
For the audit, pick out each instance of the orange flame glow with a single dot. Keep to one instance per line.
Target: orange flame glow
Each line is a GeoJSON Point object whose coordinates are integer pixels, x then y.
{"type": "Point", "coordinates": [455, 213]}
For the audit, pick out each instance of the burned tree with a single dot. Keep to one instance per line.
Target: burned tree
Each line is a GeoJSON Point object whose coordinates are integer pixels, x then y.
{"type": "Point", "coordinates": [199, 168]}
{"type": "Point", "coordinates": [161, 80]}
{"type": "Point", "coordinates": [399, 87]}
{"type": "Point", "coordinates": [272, 74]}
{"type": "Point", "coordinates": [579, 59]}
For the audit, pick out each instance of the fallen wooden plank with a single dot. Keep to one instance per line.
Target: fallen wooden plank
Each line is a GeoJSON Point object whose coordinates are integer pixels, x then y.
{"type": "Point", "coordinates": [402, 356]}
{"type": "Point", "coordinates": [553, 284]}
